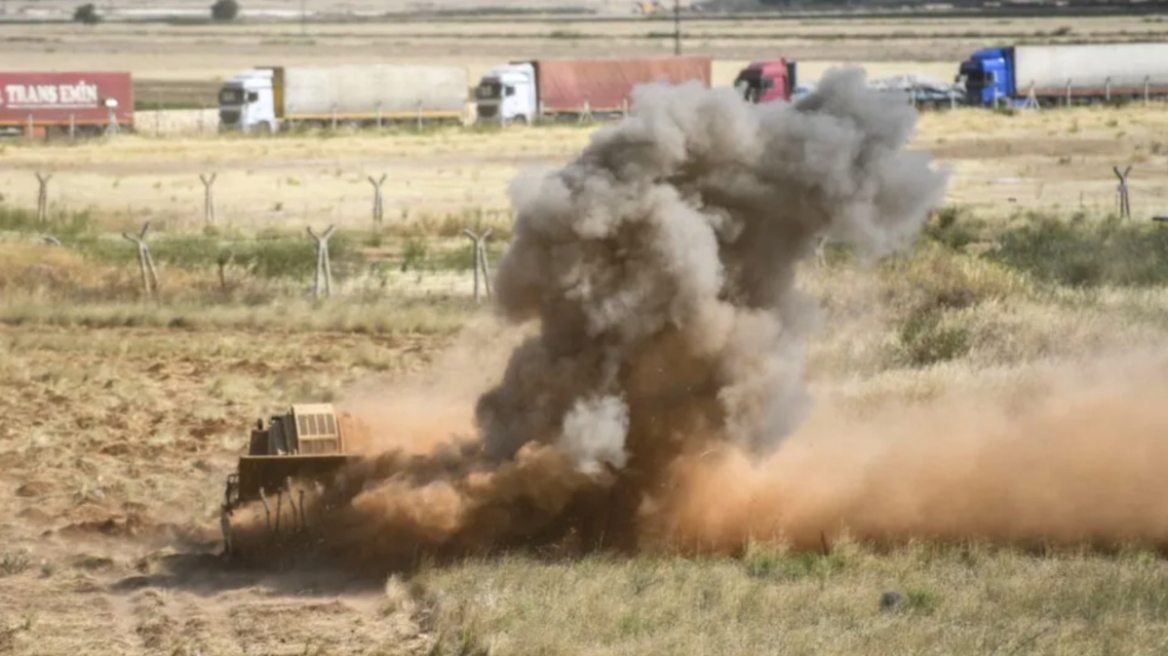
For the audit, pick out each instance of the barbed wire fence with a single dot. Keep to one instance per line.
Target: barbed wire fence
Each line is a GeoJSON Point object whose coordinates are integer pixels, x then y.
{"type": "Point", "coordinates": [435, 265]}
{"type": "Point", "coordinates": [300, 199]}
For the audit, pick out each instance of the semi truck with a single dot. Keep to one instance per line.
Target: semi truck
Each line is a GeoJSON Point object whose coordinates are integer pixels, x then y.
{"type": "Point", "coordinates": [271, 99]}
{"type": "Point", "coordinates": [548, 88]}
{"type": "Point", "coordinates": [1066, 74]}
{"type": "Point", "coordinates": [38, 104]}
{"type": "Point", "coordinates": [767, 81]}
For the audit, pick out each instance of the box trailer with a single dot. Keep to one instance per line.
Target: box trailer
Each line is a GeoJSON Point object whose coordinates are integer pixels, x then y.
{"type": "Point", "coordinates": [1066, 74]}
{"type": "Point", "coordinates": [275, 98]}
{"type": "Point", "coordinates": [528, 90]}
{"type": "Point", "coordinates": [35, 103]}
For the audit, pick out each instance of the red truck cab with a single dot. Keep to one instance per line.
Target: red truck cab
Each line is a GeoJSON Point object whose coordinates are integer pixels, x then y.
{"type": "Point", "coordinates": [766, 81]}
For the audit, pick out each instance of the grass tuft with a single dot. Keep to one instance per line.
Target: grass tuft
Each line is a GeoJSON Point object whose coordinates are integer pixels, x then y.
{"type": "Point", "coordinates": [775, 563]}
{"type": "Point", "coordinates": [13, 563]}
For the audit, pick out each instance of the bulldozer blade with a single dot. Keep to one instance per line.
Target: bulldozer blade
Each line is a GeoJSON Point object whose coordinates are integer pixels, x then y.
{"type": "Point", "coordinates": [259, 474]}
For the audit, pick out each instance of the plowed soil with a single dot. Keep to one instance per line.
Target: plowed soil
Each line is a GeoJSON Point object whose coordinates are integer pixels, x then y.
{"type": "Point", "coordinates": [114, 447]}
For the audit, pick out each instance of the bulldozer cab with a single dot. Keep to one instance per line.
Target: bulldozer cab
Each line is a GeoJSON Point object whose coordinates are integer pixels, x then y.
{"type": "Point", "coordinates": [308, 429]}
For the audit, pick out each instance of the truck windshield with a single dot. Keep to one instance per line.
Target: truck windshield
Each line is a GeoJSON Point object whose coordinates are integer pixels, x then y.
{"type": "Point", "coordinates": [752, 85]}
{"type": "Point", "coordinates": [972, 75]}
{"type": "Point", "coordinates": [231, 96]}
{"type": "Point", "coordinates": [489, 91]}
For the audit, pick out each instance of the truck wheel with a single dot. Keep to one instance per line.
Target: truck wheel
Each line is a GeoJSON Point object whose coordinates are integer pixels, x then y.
{"type": "Point", "coordinates": [265, 127]}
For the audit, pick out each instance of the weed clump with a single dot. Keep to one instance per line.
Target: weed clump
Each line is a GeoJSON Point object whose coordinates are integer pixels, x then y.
{"type": "Point", "coordinates": [778, 564]}
{"type": "Point", "coordinates": [14, 563]}
{"type": "Point", "coordinates": [1082, 253]}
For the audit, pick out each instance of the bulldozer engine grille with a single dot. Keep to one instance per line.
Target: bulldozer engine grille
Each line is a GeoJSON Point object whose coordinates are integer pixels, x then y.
{"type": "Point", "coordinates": [317, 433]}
{"type": "Point", "coordinates": [316, 425]}
{"type": "Point", "coordinates": [319, 445]}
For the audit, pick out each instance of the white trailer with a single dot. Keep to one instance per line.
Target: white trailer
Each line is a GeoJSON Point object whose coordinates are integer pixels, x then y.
{"type": "Point", "coordinates": [1122, 68]}
{"type": "Point", "coordinates": [272, 99]}
{"type": "Point", "coordinates": [1066, 73]}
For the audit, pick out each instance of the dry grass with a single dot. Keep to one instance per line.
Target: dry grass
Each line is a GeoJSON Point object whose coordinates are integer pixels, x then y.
{"type": "Point", "coordinates": [960, 600]}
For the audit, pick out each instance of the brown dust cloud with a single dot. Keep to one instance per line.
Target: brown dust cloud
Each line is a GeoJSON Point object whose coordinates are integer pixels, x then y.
{"type": "Point", "coordinates": [646, 391]}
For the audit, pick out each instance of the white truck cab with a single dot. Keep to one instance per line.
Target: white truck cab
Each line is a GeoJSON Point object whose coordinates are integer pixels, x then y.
{"type": "Point", "coordinates": [508, 93]}
{"type": "Point", "coordinates": [247, 102]}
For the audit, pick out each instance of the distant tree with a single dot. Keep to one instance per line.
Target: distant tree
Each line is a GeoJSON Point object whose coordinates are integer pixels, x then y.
{"type": "Point", "coordinates": [86, 14]}
{"type": "Point", "coordinates": [225, 10]}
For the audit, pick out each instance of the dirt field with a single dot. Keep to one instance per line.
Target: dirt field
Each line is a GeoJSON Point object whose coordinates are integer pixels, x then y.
{"type": "Point", "coordinates": [122, 418]}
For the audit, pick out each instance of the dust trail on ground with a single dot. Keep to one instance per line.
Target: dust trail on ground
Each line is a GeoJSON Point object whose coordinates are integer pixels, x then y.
{"type": "Point", "coordinates": [1080, 463]}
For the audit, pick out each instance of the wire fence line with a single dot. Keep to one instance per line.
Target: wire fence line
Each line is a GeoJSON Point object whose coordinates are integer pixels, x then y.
{"type": "Point", "coordinates": [241, 200]}
{"type": "Point", "coordinates": [250, 199]}
{"type": "Point", "coordinates": [1147, 196]}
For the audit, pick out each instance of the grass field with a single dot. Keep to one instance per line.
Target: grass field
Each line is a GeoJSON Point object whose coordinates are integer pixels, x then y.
{"type": "Point", "coordinates": [998, 381]}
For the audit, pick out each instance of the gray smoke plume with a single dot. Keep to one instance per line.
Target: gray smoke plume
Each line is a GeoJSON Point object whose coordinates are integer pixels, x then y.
{"type": "Point", "coordinates": [661, 264]}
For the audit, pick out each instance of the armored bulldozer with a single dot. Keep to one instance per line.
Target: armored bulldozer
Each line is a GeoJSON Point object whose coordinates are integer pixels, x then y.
{"type": "Point", "coordinates": [304, 446]}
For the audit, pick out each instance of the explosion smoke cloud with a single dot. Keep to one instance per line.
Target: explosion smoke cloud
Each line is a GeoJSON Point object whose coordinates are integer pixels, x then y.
{"type": "Point", "coordinates": [660, 266]}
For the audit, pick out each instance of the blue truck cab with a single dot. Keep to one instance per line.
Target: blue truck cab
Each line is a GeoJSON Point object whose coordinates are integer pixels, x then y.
{"type": "Point", "coordinates": [988, 75]}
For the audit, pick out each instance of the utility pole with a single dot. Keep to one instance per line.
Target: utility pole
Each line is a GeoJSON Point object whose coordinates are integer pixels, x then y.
{"type": "Point", "coordinates": [676, 27]}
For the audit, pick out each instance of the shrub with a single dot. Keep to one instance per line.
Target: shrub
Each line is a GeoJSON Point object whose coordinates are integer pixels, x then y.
{"type": "Point", "coordinates": [225, 10]}
{"type": "Point", "coordinates": [922, 600]}
{"type": "Point", "coordinates": [924, 339]}
{"type": "Point", "coordinates": [954, 228]}
{"type": "Point", "coordinates": [60, 224]}
{"type": "Point", "coordinates": [1081, 253]}
{"type": "Point", "coordinates": [12, 564]}
{"type": "Point", "coordinates": [271, 257]}
{"type": "Point", "coordinates": [413, 254]}
{"type": "Point", "coordinates": [768, 562]}
{"type": "Point", "coordinates": [86, 14]}
{"type": "Point", "coordinates": [935, 278]}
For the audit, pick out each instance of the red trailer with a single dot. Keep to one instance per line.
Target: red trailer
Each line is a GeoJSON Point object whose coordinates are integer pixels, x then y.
{"type": "Point", "coordinates": [607, 84]}
{"type": "Point", "coordinates": [83, 101]}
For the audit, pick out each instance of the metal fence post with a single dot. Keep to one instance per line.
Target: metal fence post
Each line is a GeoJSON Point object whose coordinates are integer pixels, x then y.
{"type": "Point", "coordinates": [1123, 198]}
